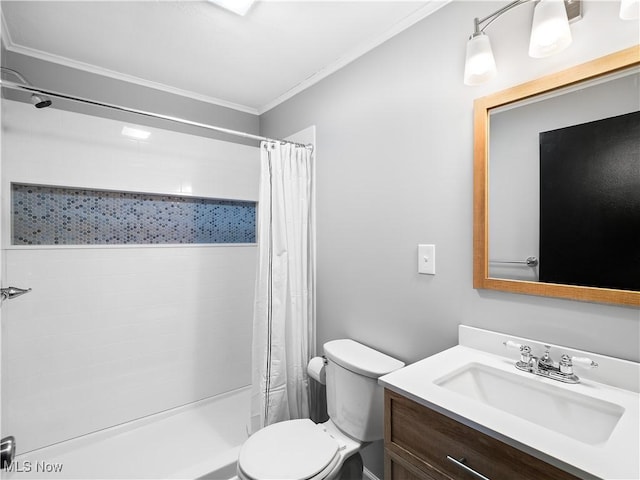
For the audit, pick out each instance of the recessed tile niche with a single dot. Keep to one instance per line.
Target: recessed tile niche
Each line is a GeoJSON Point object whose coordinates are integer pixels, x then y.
{"type": "Point", "coordinates": [43, 215]}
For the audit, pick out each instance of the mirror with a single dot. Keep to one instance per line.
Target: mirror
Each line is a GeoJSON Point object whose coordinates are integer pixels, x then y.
{"type": "Point", "coordinates": [524, 237]}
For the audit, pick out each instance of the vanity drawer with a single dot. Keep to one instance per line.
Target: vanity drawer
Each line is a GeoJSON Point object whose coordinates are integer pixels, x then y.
{"type": "Point", "coordinates": [425, 438]}
{"type": "Point", "coordinates": [398, 469]}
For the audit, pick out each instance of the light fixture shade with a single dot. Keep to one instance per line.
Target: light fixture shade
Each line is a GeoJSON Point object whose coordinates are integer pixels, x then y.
{"type": "Point", "coordinates": [630, 9]}
{"type": "Point", "coordinates": [550, 32]}
{"type": "Point", "coordinates": [480, 65]}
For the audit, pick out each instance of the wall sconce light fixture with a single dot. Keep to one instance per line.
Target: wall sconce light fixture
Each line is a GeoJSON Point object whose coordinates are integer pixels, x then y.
{"type": "Point", "coordinates": [550, 33]}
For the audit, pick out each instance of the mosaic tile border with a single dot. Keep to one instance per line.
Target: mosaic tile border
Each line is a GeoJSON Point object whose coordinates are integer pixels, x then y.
{"type": "Point", "coordinates": [43, 215]}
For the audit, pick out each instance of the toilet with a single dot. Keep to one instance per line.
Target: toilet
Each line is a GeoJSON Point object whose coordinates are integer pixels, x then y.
{"type": "Point", "coordinates": [304, 450]}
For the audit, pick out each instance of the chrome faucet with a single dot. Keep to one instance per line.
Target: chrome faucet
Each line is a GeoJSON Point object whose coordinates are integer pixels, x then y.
{"type": "Point", "coordinates": [545, 363]}
{"type": "Point", "coordinates": [546, 367]}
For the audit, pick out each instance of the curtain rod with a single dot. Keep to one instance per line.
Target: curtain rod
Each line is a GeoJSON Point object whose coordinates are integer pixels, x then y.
{"type": "Point", "coordinates": [27, 88]}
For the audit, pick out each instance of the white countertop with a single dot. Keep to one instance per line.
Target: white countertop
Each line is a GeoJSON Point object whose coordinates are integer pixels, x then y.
{"type": "Point", "coordinates": [617, 458]}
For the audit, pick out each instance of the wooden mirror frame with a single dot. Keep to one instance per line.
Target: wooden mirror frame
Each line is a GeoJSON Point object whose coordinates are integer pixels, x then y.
{"type": "Point", "coordinates": [615, 62]}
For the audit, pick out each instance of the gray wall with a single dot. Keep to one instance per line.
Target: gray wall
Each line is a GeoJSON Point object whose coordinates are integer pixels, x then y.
{"type": "Point", "coordinates": [394, 149]}
{"type": "Point", "coordinates": [394, 169]}
{"type": "Point", "coordinates": [67, 80]}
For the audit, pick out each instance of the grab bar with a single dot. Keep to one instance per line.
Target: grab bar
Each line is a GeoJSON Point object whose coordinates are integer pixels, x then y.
{"type": "Point", "coordinates": [529, 262]}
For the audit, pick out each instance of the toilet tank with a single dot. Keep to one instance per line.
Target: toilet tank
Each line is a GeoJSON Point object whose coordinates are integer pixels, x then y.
{"type": "Point", "coordinates": [354, 398]}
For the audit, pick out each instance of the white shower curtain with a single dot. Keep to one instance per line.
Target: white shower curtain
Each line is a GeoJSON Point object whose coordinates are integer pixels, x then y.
{"type": "Point", "coordinates": [284, 317]}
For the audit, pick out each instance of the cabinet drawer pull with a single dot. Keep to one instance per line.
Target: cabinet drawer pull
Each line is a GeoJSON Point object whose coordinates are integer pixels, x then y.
{"type": "Point", "coordinates": [460, 463]}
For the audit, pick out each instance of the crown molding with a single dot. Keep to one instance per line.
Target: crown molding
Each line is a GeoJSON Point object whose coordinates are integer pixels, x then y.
{"type": "Point", "coordinates": [86, 67]}
{"type": "Point", "coordinates": [430, 7]}
{"type": "Point", "coordinates": [105, 72]}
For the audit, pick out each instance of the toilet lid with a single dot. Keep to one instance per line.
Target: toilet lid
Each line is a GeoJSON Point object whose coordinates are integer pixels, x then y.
{"type": "Point", "coordinates": [291, 450]}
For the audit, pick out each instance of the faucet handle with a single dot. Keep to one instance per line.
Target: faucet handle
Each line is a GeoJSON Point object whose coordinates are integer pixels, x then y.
{"type": "Point", "coordinates": [525, 353]}
{"type": "Point", "coordinates": [510, 344]}
{"type": "Point", "coordinates": [585, 362]}
{"type": "Point", "coordinates": [566, 363]}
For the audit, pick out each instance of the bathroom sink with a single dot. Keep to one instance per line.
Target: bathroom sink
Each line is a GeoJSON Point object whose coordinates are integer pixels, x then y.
{"type": "Point", "coordinates": [581, 417]}
{"type": "Point", "coordinates": [589, 429]}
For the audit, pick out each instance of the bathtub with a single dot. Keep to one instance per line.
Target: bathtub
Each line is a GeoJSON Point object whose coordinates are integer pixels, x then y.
{"type": "Point", "coordinates": [196, 441]}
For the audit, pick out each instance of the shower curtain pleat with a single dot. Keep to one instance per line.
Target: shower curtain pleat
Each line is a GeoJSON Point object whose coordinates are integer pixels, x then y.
{"type": "Point", "coordinates": [283, 321]}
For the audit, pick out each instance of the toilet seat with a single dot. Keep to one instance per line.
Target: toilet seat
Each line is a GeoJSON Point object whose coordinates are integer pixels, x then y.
{"type": "Point", "coordinates": [291, 450]}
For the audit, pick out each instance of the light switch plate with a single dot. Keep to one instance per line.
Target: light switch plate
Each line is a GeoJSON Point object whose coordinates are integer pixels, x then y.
{"type": "Point", "coordinates": [427, 259]}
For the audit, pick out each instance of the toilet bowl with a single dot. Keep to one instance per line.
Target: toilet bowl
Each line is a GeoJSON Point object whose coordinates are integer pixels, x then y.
{"type": "Point", "coordinates": [296, 450]}
{"type": "Point", "coordinates": [304, 450]}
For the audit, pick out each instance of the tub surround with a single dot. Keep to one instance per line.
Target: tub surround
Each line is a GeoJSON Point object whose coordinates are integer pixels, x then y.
{"type": "Point", "coordinates": [200, 440]}
{"type": "Point", "coordinates": [614, 381]}
{"type": "Point", "coordinates": [112, 333]}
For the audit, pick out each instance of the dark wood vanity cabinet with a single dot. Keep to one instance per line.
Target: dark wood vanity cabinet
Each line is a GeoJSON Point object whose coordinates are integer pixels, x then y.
{"type": "Point", "coordinates": [418, 440]}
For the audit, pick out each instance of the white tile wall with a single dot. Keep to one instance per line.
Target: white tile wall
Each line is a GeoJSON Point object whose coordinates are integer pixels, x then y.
{"type": "Point", "coordinates": [110, 334]}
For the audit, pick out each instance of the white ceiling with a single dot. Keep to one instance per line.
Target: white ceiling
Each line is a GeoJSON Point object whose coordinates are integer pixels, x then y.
{"type": "Point", "coordinates": [196, 49]}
